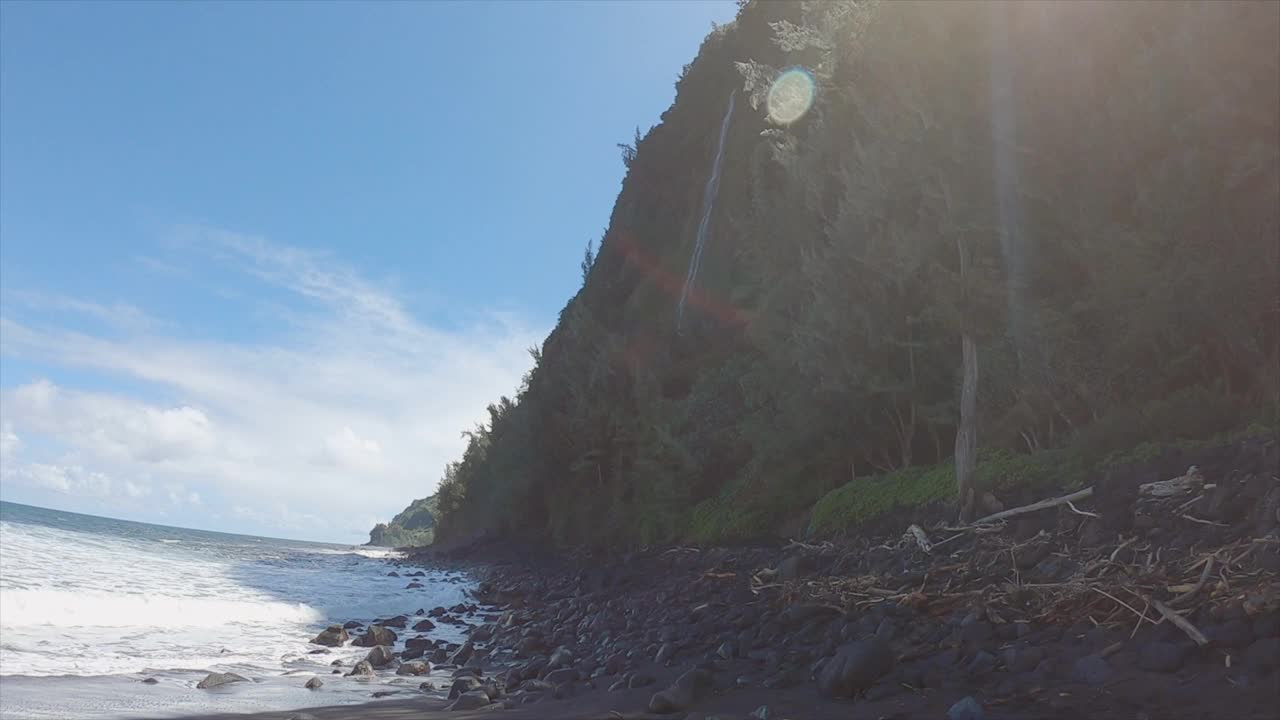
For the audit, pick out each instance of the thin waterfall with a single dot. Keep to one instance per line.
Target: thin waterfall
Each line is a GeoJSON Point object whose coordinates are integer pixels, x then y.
{"type": "Point", "coordinates": [708, 204]}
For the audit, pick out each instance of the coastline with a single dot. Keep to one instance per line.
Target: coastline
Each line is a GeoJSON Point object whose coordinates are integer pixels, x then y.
{"type": "Point", "coordinates": [1042, 616]}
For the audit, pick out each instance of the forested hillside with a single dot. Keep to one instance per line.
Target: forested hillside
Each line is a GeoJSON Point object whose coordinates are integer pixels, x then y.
{"type": "Point", "coordinates": [413, 526]}
{"type": "Point", "coordinates": [1089, 192]}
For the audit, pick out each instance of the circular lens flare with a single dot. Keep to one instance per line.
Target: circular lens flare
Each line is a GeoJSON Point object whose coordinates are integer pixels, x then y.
{"type": "Point", "coordinates": [790, 96]}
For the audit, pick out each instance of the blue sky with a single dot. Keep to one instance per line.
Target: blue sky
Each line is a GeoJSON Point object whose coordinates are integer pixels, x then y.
{"type": "Point", "coordinates": [261, 262]}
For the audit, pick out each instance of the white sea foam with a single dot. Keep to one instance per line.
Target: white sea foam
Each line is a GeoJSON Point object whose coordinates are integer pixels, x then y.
{"type": "Point", "coordinates": [91, 597]}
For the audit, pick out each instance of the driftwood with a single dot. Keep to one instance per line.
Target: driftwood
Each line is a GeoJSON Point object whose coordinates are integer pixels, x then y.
{"type": "Point", "coordinates": [1041, 505]}
{"type": "Point", "coordinates": [921, 539]}
{"type": "Point", "coordinates": [1180, 485]}
{"type": "Point", "coordinates": [1182, 623]}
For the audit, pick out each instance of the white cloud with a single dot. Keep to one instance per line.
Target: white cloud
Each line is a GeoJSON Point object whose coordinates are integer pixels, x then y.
{"type": "Point", "coordinates": [120, 315]}
{"type": "Point", "coordinates": [10, 443]}
{"type": "Point", "coordinates": [348, 412]}
{"type": "Point", "coordinates": [63, 479]}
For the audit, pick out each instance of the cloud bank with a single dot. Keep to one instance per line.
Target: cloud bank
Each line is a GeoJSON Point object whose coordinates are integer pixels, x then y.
{"type": "Point", "coordinates": [347, 409]}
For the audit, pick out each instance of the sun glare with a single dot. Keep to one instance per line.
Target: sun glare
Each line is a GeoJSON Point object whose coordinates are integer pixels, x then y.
{"type": "Point", "coordinates": [790, 96]}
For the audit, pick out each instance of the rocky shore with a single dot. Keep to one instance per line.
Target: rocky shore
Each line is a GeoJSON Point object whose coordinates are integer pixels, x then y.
{"type": "Point", "coordinates": [1154, 593]}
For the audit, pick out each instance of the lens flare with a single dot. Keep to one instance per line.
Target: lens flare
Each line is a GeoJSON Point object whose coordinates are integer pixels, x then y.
{"type": "Point", "coordinates": [790, 96]}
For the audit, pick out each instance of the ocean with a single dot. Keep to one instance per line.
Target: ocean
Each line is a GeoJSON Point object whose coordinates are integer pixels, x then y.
{"type": "Point", "coordinates": [91, 606]}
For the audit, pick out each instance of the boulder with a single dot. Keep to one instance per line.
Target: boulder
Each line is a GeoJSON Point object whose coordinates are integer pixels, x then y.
{"type": "Point", "coordinates": [529, 646]}
{"type": "Point", "coordinates": [332, 636]}
{"type": "Point", "coordinates": [562, 676]}
{"type": "Point", "coordinates": [375, 635]}
{"type": "Point", "coordinates": [314, 683]}
{"type": "Point", "coordinates": [361, 669]}
{"type": "Point", "coordinates": [855, 667]}
{"type": "Point", "coordinates": [413, 667]}
{"type": "Point", "coordinates": [214, 679]}
{"type": "Point", "coordinates": [380, 656]}
{"type": "Point", "coordinates": [640, 680]}
{"type": "Point", "coordinates": [1091, 670]}
{"type": "Point", "coordinates": [424, 625]}
{"type": "Point", "coordinates": [463, 654]}
{"type": "Point", "coordinates": [683, 693]}
{"type": "Point", "coordinates": [463, 685]}
{"type": "Point", "coordinates": [472, 700]}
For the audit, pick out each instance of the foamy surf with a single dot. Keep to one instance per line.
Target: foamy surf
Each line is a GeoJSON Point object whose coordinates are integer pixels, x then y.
{"type": "Point", "coordinates": [90, 606]}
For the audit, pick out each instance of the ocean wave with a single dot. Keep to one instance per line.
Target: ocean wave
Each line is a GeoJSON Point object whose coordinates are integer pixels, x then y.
{"type": "Point", "coordinates": [64, 608]}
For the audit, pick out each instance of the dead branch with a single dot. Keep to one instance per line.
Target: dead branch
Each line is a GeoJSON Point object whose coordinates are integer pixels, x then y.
{"type": "Point", "coordinates": [1041, 505]}
{"type": "Point", "coordinates": [1204, 576]}
{"type": "Point", "coordinates": [1180, 622]}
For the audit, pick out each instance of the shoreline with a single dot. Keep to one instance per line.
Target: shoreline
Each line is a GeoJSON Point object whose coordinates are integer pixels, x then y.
{"type": "Point", "coordinates": [1051, 614]}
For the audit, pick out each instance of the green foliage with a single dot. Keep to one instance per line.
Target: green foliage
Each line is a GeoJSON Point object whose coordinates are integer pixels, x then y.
{"type": "Point", "coordinates": [392, 535]}
{"type": "Point", "coordinates": [1134, 299]}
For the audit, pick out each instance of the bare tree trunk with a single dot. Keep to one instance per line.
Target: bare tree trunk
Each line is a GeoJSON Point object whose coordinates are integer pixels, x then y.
{"type": "Point", "coordinates": [967, 432]}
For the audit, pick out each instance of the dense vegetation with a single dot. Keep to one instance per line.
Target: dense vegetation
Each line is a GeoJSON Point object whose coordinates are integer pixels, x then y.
{"type": "Point", "coordinates": [1089, 191]}
{"type": "Point", "coordinates": [413, 526]}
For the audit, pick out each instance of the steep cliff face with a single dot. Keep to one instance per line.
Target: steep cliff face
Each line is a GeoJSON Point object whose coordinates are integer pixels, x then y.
{"type": "Point", "coordinates": [1088, 191]}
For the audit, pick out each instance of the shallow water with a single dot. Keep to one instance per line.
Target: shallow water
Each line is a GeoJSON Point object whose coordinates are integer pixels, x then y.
{"type": "Point", "coordinates": [90, 606]}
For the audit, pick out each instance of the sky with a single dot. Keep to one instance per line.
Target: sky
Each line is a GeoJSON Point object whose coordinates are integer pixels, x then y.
{"type": "Point", "coordinates": [261, 263]}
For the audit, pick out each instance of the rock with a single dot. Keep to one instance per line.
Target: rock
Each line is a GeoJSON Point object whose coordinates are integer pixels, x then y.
{"type": "Point", "coordinates": [424, 625]}
{"type": "Point", "coordinates": [413, 667]}
{"type": "Point", "coordinates": [640, 680]}
{"type": "Point", "coordinates": [463, 654]}
{"type": "Point", "coordinates": [374, 636]}
{"type": "Point", "coordinates": [332, 636]}
{"type": "Point", "coordinates": [683, 693]}
{"type": "Point", "coordinates": [726, 651]}
{"type": "Point", "coordinates": [665, 653]}
{"type": "Point", "coordinates": [437, 612]}
{"type": "Point", "coordinates": [559, 659]}
{"type": "Point", "coordinates": [795, 567]}
{"type": "Point", "coordinates": [1161, 656]}
{"type": "Point", "coordinates": [302, 716]}
{"type": "Point", "coordinates": [150, 681]}
{"type": "Point", "coordinates": [214, 679]}
{"type": "Point", "coordinates": [471, 701]}
{"type": "Point", "coordinates": [529, 646]}
{"type": "Point", "coordinates": [615, 664]}
{"type": "Point", "coordinates": [351, 625]}
{"type": "Point", "coordinates": [428, 685]}
{"type": "Point", "coordinates": [1263, 654]}
{"type": "Point", "coordinates": [463, 685]}
{"type": "Point", "coordinates": [379, 656]}
{"type": "Point", "coordinates": [1090, 670]}
{"type": "Point", "coordinates": [761, 713]}
{"type": "Point", "coordinates": [398, 622]}
{"type": "Point", "coordinates": [314, 683]}
{"type": "Point", "coordinates": [976, 634]}
{"type": "Point", "coordinates": [562, 676]}
{"type": "Point", "coordinates": [319, 651]}
{"type": "Point", "coordinates": [1233, 634]}
{"type": "Point", "coordinates": [1022, 659]}
{"type": "Point", "coordinates": [415, 585]}
{"type": "Point", "coordinates": [797, 615]}
{"type": "Point", "coordinates": [982, 663]}
{"type": "Point", "coordinates": [1267, 626]}
{"type": "Point", "coordinates": [855, 667]}
{"type": "Point", "coordinates": [361, 669]}
{"type": "Point", "coordinates": [966, 709]}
